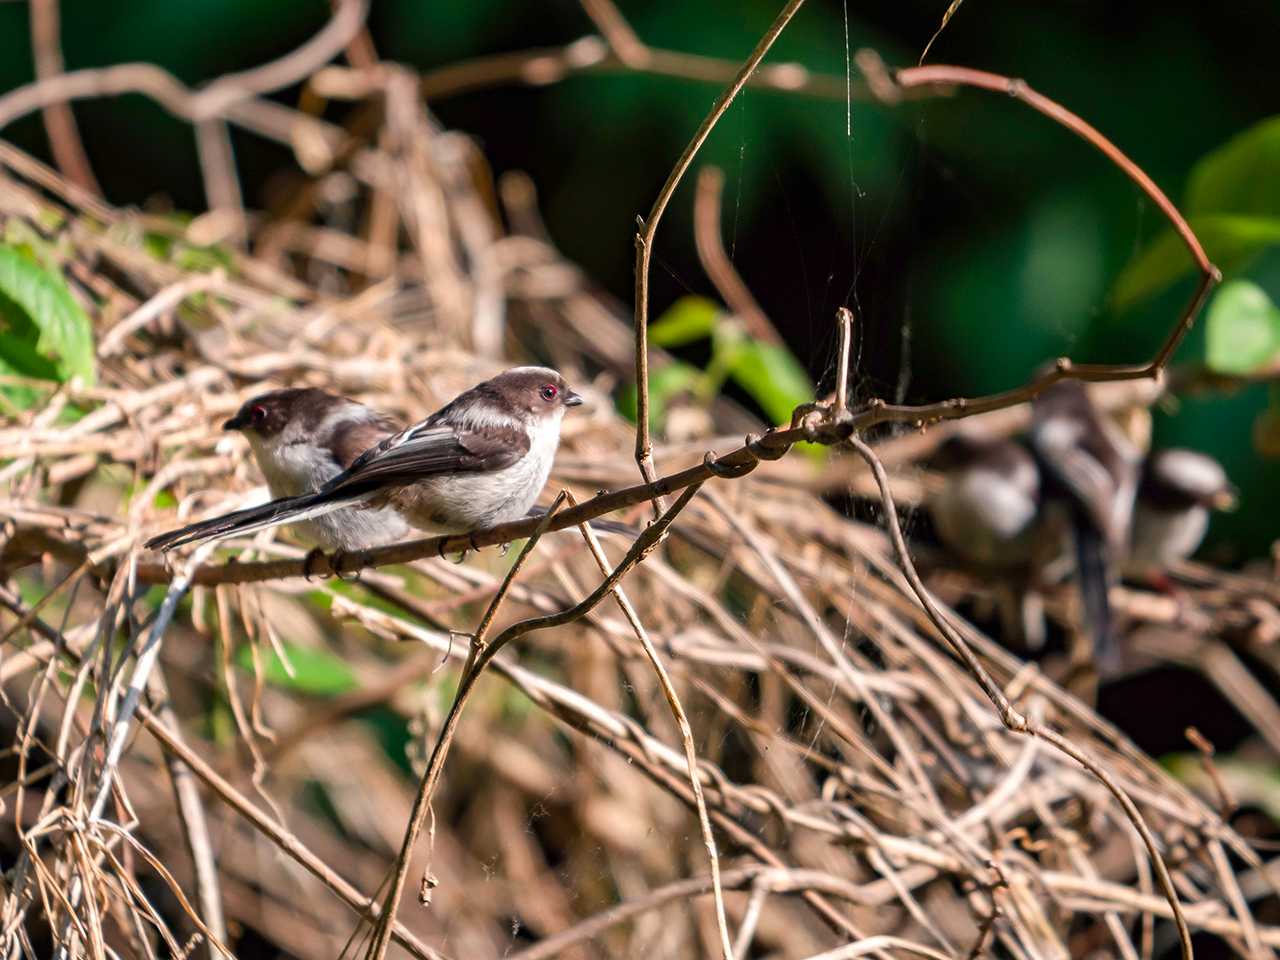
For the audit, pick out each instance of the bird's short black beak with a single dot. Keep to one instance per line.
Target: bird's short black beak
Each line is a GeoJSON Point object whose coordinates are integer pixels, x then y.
{"type": "Point", "coordinates": [572, 399]}
{"type": "Point", "coordinates": [238, 422]}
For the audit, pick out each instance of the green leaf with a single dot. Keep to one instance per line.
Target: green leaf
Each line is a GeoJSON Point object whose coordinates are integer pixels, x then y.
{"type": "Point", "coordinates": [14, 398]}
{"type": "Point", "coordinates": [1230, 240]}
{"type": "Point", "coordinates": [43, 331]}
{"type": "Point", "coordinates": [664, 384]}
{"type": "Point", "coordinates": [687, 320]}
{"type": "Point", "coordinates": [773, 377]}
{"type": "Point", "coordinates": [316, 673]}
{"type": "Point", "coordinates": [1242, 176]}
{"type": "Point", "coordinates": [1242, 328]}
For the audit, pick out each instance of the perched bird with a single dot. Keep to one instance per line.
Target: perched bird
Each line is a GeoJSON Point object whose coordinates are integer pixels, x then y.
{"type": "Point", "coordinates": [987, 513]}
{"type": "Point", "coordinates": [1090, 474]}
{"type": "Point", "coordinates": [301, 439]}
{"type": "Point", "coordinates": [987, 507]}
{"type": "Point", "coordinates": [480, 460]}
{"type": "Point", "coordinates": [1177, 491]}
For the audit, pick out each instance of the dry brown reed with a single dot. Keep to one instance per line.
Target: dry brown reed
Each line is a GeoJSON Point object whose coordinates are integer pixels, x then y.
{"type": "Point", "coordinates": [862, 751]}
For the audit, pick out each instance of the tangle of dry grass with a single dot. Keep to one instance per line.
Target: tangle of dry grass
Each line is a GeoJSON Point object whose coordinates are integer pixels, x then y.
{"type": "Point", "coordinates": [865, 798]}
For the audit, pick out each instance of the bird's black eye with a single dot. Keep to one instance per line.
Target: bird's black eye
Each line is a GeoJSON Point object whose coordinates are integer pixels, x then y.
{"type": "Point", "coordinates": [258, 415]}
{"type": "Point", "coordinates": [549, 392]}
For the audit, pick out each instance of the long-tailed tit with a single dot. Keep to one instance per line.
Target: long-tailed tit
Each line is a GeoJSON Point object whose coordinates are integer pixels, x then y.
{"type": "Point", "coordinates": [1176, 493]}
{"type": "Point", "coordinates": [988, 505]}
{"type": "Point", "coordinates": [1090, 475]}
{"type": "Point", "coordinates": [479, 461]}
{"type": "Point", "coordinates": [987, 513]}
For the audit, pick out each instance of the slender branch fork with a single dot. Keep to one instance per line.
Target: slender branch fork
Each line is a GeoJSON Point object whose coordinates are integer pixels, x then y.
{"type": "Point", "coordinates": [482, 653]}
{"type": "Point", "coordinates": [649, 229]}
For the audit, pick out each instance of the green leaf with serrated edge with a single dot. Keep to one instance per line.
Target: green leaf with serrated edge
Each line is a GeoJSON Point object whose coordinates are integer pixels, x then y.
{"type": "Point", "coordinates": [1231, 241]}
{"type": "Point", "coordinates": [773, 377]}
{"type": "Point", "coordinates": [43, 331]}
{"type": "Point", "coordinates": [687, 320]}
{"type": "Point", "coordinates": [1241, 176]}
{"type": "Point", "coordinates": [317, 673]}
{"type": "Point", "coordinates": [1242, 328]}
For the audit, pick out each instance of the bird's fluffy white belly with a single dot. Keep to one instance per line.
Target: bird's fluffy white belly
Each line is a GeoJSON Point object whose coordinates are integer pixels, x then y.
{"type": "Point", "coordinates": [984, 519]}
{"type": "Point", "coordinates": [456, 502]}
{"type": "Point", "coordinates": [295, 469]}
{"type": "Point", "coordinates": [1161, 538]}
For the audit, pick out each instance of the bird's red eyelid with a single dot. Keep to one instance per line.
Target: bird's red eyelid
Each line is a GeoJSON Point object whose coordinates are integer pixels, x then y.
{"type": "Point", "coordinates": [549, 390]}
{"type": "Point", "coordinates": [259, 413]}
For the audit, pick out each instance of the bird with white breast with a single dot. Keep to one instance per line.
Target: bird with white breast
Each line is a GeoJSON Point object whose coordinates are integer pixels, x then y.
{"type": "Point", "coordinates": [479, 461]}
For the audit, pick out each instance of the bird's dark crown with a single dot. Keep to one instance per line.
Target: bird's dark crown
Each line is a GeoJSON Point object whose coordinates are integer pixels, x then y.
{"type": "Point", "coordinates": [965, 449]}
{"type": "Point", "coordinates": [531, 391]}
{"type": "Point", "coordinates": [1177, 478]}
{"type": "Point", "coordinates": [269, 413]}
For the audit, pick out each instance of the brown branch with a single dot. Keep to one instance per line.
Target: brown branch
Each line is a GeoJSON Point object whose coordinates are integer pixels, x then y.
{"type": "Point", "coordinates": [649, 227]}
{"type": "Point", "coordinates": [222, 193]}
{"type": "Point", "coordinates": [686, 733]}
{"type": "Point", "coordinates": [590, 54]}
{"type": "Point", "coordinates": [360, 52]}
{"type": "Point", "coordinates": [481, 655]}
{"type": "Point", "coordinates": [59, 121]}
{"type": "Point", "coordinates": [719, 268]}
{"type": "Point", "coordinates": [1009, 716]}
{"type": "Point", "coordinates": [613, 26]}
{"type": "Point", "coordinates": [217, 99]}
{"type": "Point", "coordinates": [195, 826]}
{"type": "Point", "coordinates": [422, 801]}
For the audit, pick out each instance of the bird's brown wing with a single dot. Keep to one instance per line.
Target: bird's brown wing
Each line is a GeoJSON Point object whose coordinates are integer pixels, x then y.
{"type": "Point", "coordinates": [1094, 467]}
{"type": "Point", "coordinates": [353, 437]}
{"type": "Point", "coordinates": [425, 450]}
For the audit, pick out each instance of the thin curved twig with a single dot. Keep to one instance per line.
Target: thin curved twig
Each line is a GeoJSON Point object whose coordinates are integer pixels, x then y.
{"type": "Point", "coordinates": [422, 801]}
{"type": "Point", "coordinates": [716, 263]}
{"type": "Point", "coordinates": [214, 100]}
{"type": "Point", "coordinates": [480, 657]}
{"type": "Point", "coordinates": [686, 733]}
{"type": "Point", "coordinates": [649, 228]}
{"type": "Point", "coordinates": [59, 122]}
{"type": "Point", "coordinates": [1009, 715]}
{"type": "Point", "coordinates": [914, 78]}
{"type": "Point", "coordinates": [543, 66]}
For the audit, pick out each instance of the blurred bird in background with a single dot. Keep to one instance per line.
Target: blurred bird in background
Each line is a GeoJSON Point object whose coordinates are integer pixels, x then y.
{"type": "Point", "coordinates": [302, 438]}
{"type": "Point", "coordinates": [987, 513]}
{"type": "Point", "coordinates": [1090, 473]}
{"type": "Point", "coordinates": [1177, 491]}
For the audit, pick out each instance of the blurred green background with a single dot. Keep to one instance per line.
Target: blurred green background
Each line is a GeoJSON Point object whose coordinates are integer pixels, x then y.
{"type": "Point", "coordinates": [974, 237]}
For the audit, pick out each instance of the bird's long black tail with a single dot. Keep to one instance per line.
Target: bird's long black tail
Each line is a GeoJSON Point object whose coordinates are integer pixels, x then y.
{"type": "Point", "coordinates": [1095, 581]}
{"type": "Point", "coordinates": [284, 510]}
